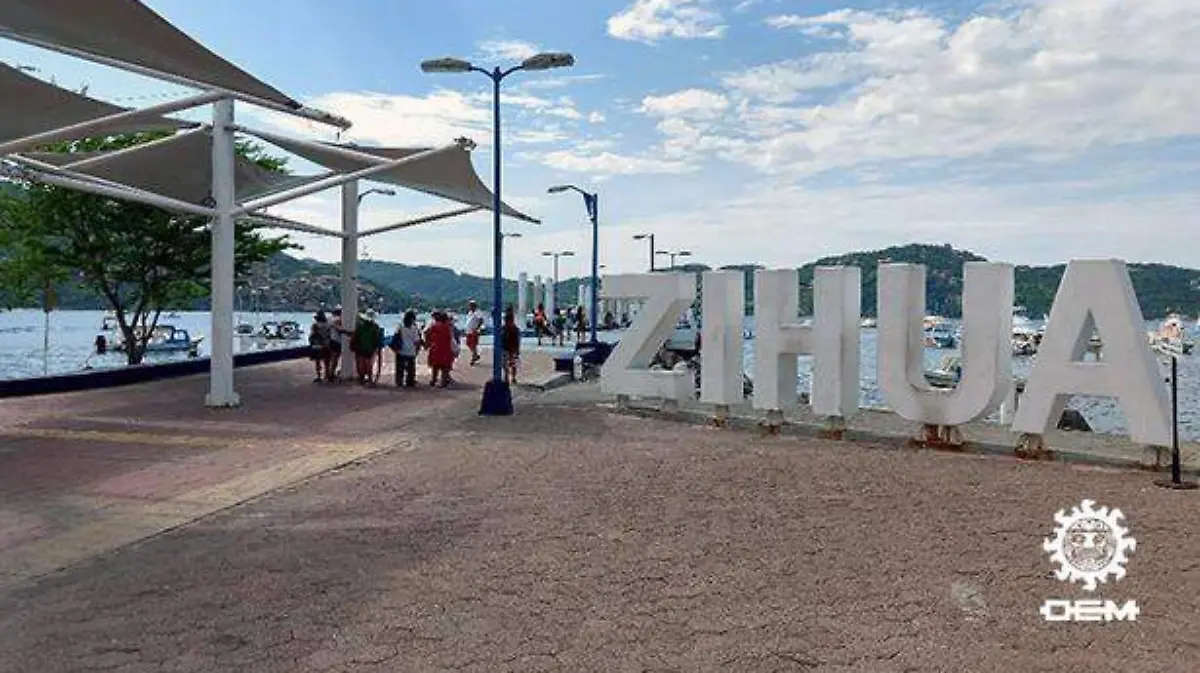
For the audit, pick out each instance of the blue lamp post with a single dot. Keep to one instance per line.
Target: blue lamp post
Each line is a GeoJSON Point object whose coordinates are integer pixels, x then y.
{"type": "Point", "coordinates": [497, 395]}
{"type": "Point", "coordinates": [591, 202]}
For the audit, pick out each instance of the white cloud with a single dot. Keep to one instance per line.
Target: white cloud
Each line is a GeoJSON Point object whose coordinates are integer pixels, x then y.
{"type": "Point", "coordinates": [558, 82]}
{"type": "Point", "coordinates": [507, 50]}
{"type": "Point", "coordinates": [436, 118]}
{"type": "Point", "coordinates": [604, 163]}
{"type": "Point", "coordinates": [1051, 78]}
{"type": "Point", "coordinates": [650, 21]}
{"type": "Point", "coordinates": [689, 102]}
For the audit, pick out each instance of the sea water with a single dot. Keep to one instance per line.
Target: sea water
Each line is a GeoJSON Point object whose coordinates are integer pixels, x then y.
{"type": "Point", "coordinates": [71, 337]}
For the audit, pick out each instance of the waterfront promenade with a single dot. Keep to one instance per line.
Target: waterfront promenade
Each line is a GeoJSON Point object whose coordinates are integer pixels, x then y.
{"type": "Point", "coordinates": [348, 529]}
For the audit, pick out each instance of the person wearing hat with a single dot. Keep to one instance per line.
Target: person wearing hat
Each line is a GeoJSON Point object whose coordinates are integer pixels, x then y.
{"type": "Point", "coordinates": [474, 327]}
{"type": "Point", "coordinates": [364, 342]}
{"type": "Point", "coordinates": [336, 332]}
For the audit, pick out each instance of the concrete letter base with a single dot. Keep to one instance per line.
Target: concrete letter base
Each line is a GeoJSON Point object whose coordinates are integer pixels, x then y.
{"type": "Point", "coordinates": [834, 428]}
{"type": "Point", "coordinates": [1032, 447]}
{"type": "Point", "coordinates": [720, 417]}
{"type": "Point", "coordinates": [940, 437]}
{"type": "Point", "coordinates": [772, 424]}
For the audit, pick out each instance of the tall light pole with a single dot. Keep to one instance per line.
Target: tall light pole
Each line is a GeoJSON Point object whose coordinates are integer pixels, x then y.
{"type": "Point", "coordinates": [673, 255]}
{"type": "Point", "coordinates": [641, 237]}
{"type": "Point", "coordinates": [554, 282]}
{"type": "Point", "coordinates": [374, 190]}
{"type": "Point", "coordinates": [497, 395]}
{"type": "Point", "coordinates": [591, 201]}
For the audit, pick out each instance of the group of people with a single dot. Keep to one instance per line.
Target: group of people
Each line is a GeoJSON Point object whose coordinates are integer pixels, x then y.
{"type": "Point", "coordinates": [558, 326]}
{"type": "Point", "coordinates": [368, 340]}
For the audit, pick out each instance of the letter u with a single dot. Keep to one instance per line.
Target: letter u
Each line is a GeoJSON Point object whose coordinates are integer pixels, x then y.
{"type": "Point", "coordinates": [986, 344]}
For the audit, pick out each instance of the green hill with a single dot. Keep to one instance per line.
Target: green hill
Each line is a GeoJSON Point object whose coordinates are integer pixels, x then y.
{"type": "Point", "coordinates": [306, 284]}
{"type": "Point", "coordinates": [1161, 289]}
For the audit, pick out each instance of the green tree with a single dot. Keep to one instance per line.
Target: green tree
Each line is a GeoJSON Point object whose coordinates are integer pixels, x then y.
{"type": "Point", "coordinates": [139, 258]}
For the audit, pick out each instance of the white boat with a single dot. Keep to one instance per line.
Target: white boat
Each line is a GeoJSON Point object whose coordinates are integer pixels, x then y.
{"type": "Point", "coordinates": [168, 339]}
{"type": "Point", "coordinates": [1025, 337]}
{"type": "Point", "coordinates": [109, 324]}
{"type": "Point", "coordinates": [869, 323]}
{"type": "Point", "coordinates": [947, 374]}
{"type": "Point", "coordinates": [1170, 338]}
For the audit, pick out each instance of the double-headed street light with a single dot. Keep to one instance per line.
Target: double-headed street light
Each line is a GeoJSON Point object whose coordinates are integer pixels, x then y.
{"type": "Point", "coordinates": [554, 282]}
{"type": "Point", "coordinates": [673, 255]}
{"type": "Point", "coordinates": [642, 237]}
{"type": "Point", "coordinates": [591, 201]}
{"type": "Point", "coordinates": [497, 395]}
{"type": "Point", "coordinates": [376, 190]}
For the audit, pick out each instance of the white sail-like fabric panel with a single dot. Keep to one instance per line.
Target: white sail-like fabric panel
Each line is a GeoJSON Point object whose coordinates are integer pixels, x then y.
{"type": "Point", "coordinates": [29, 106]}
{"type": "Point", "coordinates": [126, 31]}
{"type": "Point", "coordinates": [450, 175]}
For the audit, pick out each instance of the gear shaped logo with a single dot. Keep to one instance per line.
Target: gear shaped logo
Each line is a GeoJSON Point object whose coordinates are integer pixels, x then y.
{"type": "Point", "coordinates": [1089, 545]}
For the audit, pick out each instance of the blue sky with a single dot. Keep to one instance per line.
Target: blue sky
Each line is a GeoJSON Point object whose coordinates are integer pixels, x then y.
{"type": "Point", "coordinates": [768, 131]}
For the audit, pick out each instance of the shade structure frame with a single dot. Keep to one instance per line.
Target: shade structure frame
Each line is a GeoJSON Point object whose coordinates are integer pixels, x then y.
{"type": "Point", "coordinates": [423, 219]}
{"type": "Point", "coordinates": [160, 50]}
{"type": "Point", "coordinates": [470, 188]}
{"type": "Point", "coordinates": [39, 172]}
{"type": "Point", "coordinates": [336, 180]}
{"type": "Point", "coordinates": [114, 117]}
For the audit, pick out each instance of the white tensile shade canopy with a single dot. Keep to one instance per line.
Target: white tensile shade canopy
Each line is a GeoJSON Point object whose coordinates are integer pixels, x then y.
{"type": "Point", "coordinates": [197, 166]}
{"type": "Point", "coordinates": [32, 106]}
{"type": "Point", "coordinates": [449, 175]}
{"type": "Point", "coordinates": [179, 167]}
{"type": "Point", "coordinates": [126, 32]}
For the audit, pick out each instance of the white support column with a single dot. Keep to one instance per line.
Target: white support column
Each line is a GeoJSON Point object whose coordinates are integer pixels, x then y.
{"type": "Point", "coordinates": [522, 298]}
{"type": "Point", "coordinates": [550, 304]}
{"type": "Point", "coordinates": [349, 272]}
{"type": "Point", "coordinates": [580, 294]}
{"type": "Point", "coordinates": [539, 292]}
{"type": "Point", "coordinates": [220, 377]}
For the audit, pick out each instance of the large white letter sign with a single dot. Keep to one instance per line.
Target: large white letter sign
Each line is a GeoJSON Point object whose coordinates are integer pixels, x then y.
{"type": "Point", "coordinates": [721, 341]}
{"type": "Point", "coordinates": [1096, 295]}
{"type": "Point", "coordinates": [986, 344]}
{"type": "Point", "coordinates": [626, 372]}
{"type": "Point", "coordinates": [832, 339]}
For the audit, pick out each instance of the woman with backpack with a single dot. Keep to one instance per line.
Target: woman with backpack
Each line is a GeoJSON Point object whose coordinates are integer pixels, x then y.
{"type": "Point", "coordinates": [406, 343]}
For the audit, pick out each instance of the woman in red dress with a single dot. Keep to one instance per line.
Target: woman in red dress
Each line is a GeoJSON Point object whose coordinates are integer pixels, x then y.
{"type": "Point", "coordinates": [439, 340]}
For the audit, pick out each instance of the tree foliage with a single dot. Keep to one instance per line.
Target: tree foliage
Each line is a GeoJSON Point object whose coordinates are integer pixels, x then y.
{"type": "Point", "coordinates": [139, 258]}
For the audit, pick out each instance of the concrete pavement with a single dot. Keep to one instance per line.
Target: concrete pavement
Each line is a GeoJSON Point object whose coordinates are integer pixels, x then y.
{"type": "Point", "coordinates": [566, 538]}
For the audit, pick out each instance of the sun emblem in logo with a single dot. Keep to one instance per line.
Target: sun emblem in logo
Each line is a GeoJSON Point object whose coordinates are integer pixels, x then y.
{"type": "Point", "coordinates": [1089, 545]}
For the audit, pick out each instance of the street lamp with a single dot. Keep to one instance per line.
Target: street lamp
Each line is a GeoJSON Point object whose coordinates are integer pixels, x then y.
{"type": "Point", "coordinates": [673, 255]}
{"type": "Point", "coordinates": [591, 202]}
{"type": "Point", "coordinates": [640, 237]}
{"type": "Point", "coordinates": [554, 283]}
{"type": "Point", "coordinates": [376, 190]}
{"type": "Point", "coordinates": [497, 395]}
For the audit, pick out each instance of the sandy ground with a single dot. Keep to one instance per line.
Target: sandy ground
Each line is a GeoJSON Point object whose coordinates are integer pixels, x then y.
{"type": "Point", "coordinates": [569, 539]}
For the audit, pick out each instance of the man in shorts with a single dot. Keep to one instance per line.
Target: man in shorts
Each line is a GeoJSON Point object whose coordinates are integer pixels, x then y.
{"type": "Point", "coordinates": [474, 326]}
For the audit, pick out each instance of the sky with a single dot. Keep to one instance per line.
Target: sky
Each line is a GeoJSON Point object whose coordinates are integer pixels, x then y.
{"type": "Point", "coordinates": [744, 131]}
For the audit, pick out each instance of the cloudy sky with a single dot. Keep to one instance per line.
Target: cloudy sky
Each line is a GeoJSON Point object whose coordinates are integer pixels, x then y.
{"type": "Point", "coordinates": [768, 131]}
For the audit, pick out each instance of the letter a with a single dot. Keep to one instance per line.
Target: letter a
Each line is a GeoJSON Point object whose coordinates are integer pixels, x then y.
{"type": "Point", "coordinates": [1096, 295]}
{"type": "Point", "coordinates": [626, 371]}
{"type": "Point", "coordinates": [986, 348]}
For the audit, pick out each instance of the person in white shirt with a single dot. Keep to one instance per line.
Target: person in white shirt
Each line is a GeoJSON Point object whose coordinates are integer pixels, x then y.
{"type": "Point", "coordinates": [406, 343]}
{"type": "Point", "coordinates": [474, 326]}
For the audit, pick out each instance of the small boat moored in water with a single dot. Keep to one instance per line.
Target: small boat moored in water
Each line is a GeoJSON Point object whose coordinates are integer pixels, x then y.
{"type": "Point", "coordinates": [1169, 339]}
{"type": "Point", "coordinates": [169, 339]}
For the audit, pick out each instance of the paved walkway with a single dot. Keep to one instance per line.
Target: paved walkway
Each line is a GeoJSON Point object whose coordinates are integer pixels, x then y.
{"type": "Point", "coordinates": [569, 539]}
{"type": "Point", "coordinates": [88, 472]}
